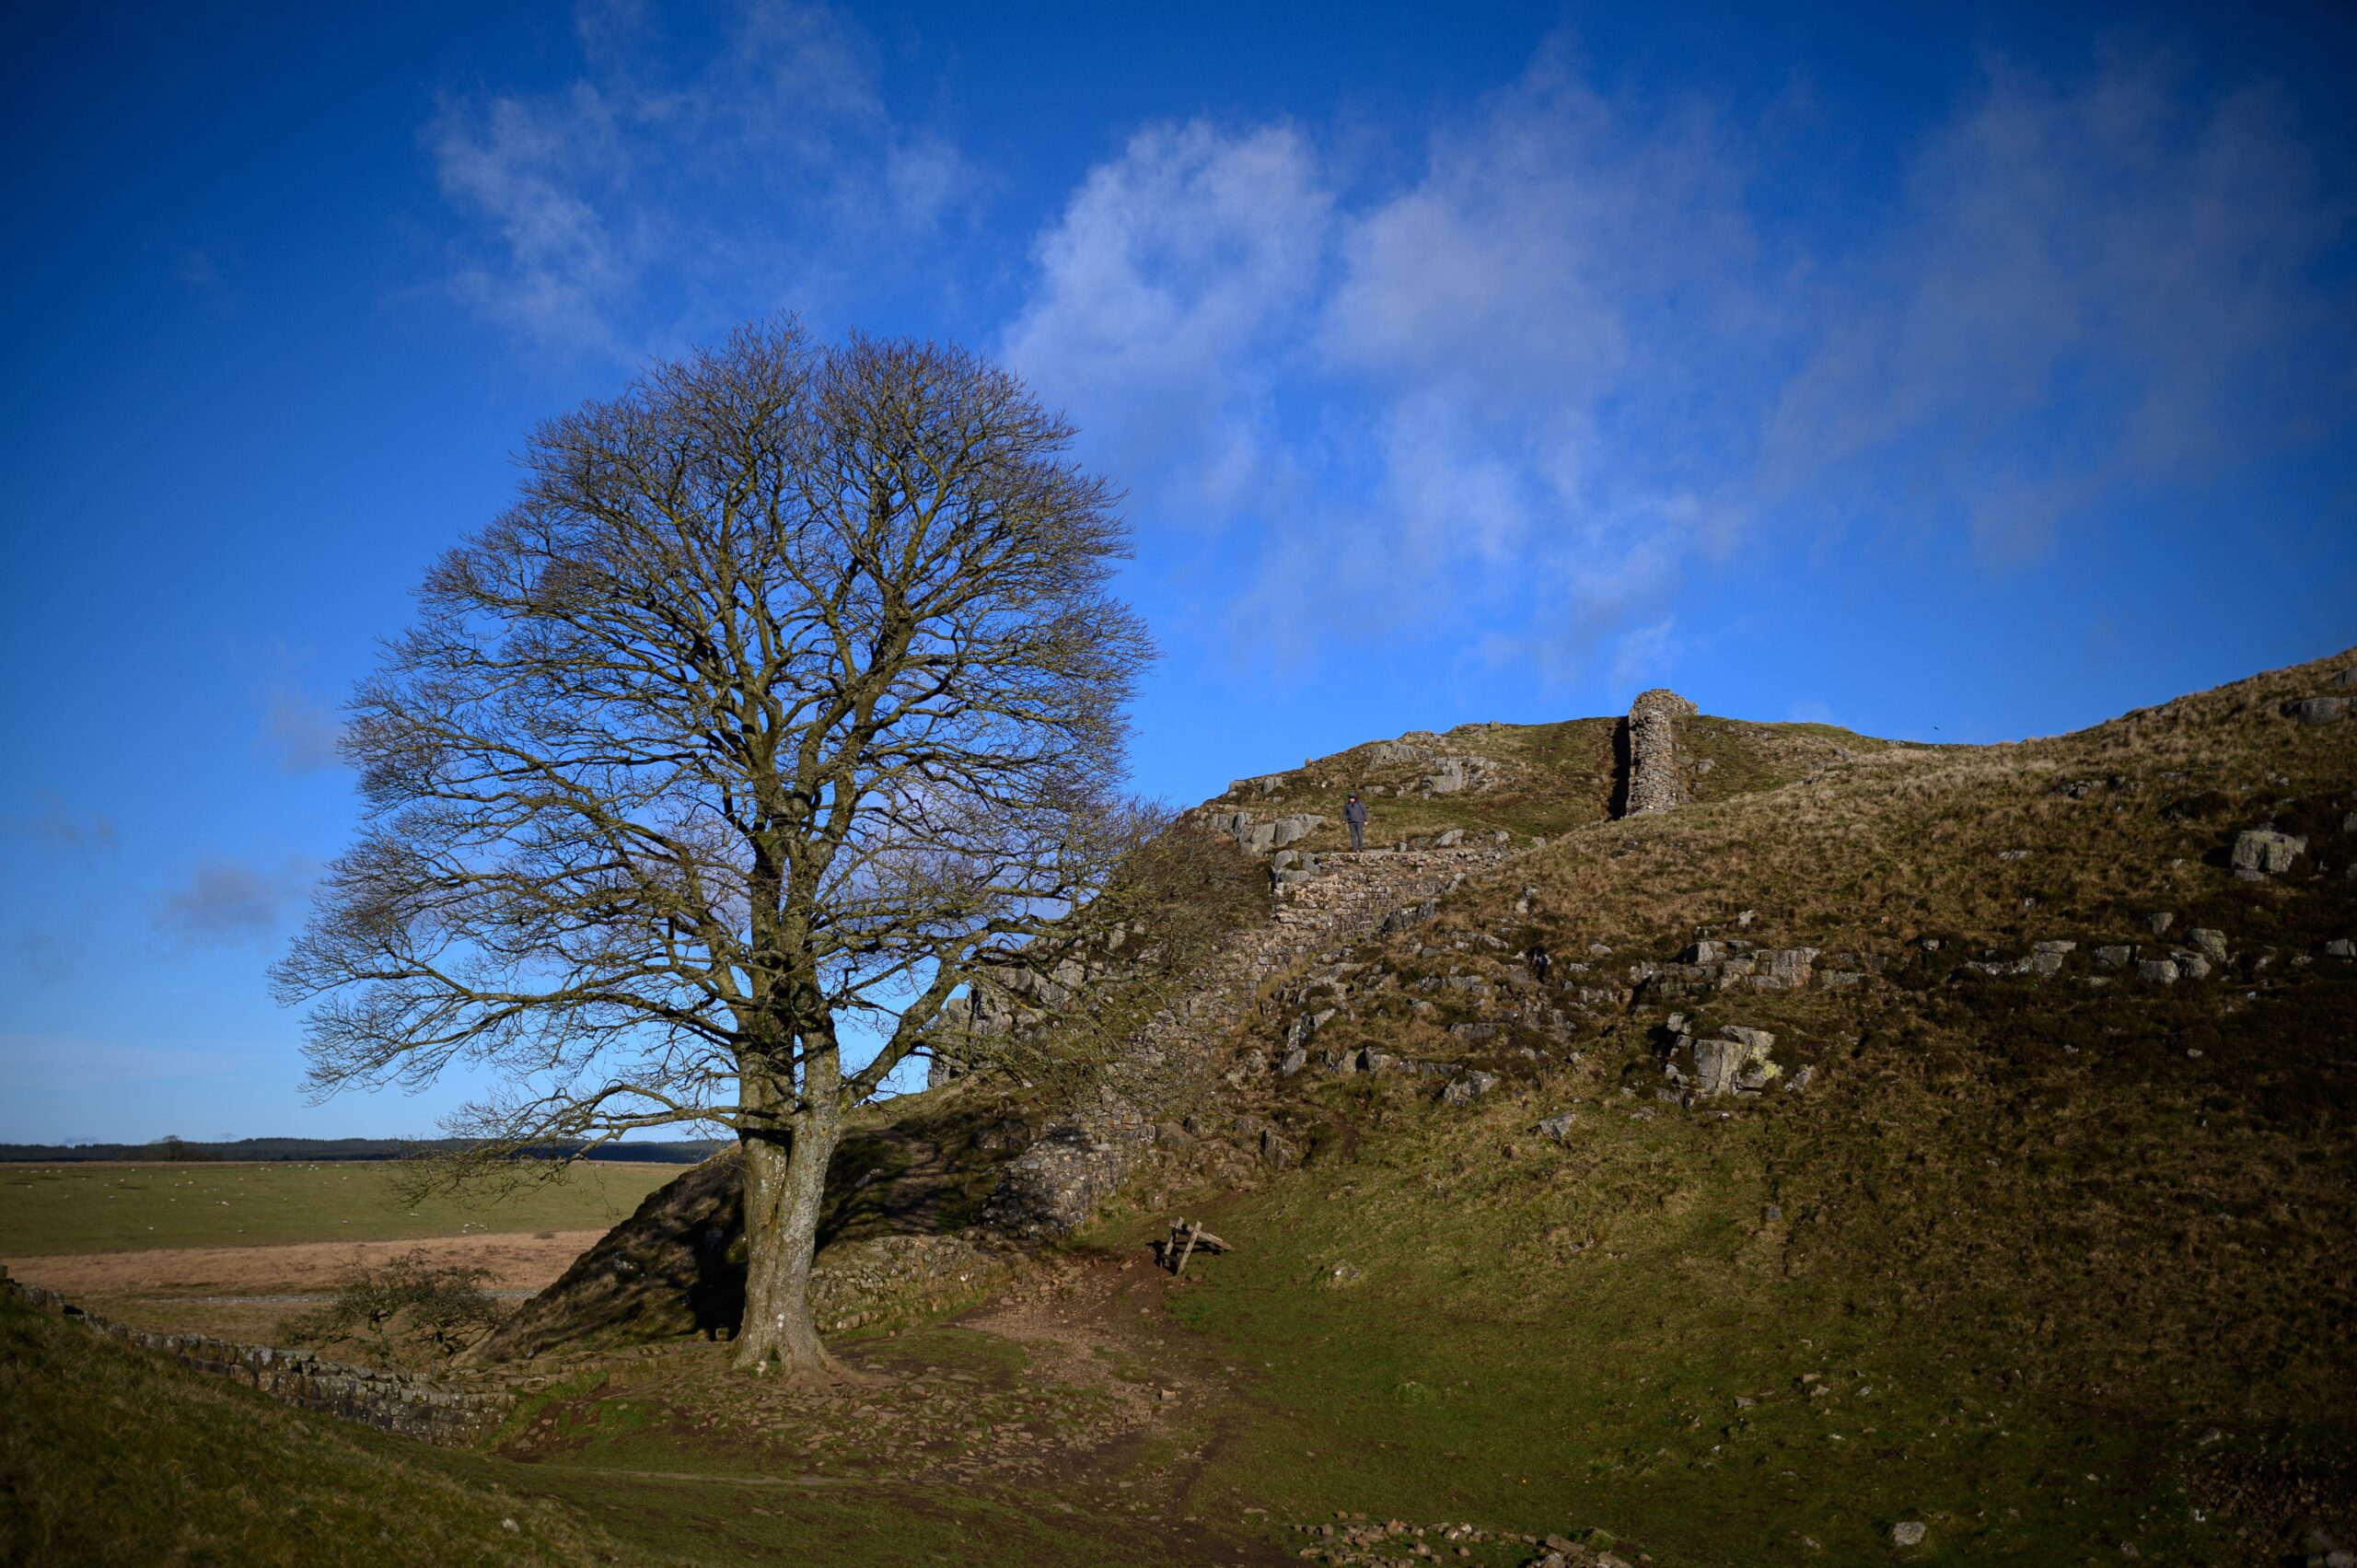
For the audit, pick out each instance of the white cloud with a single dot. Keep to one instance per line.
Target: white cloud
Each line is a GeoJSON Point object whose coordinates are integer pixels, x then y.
{"type": "Point", "coordinates": [1412, 399]}
{"type": "Point", "coordinates": [1515, 400]}
{"type": "Point", "coordinates": [2087, 291]}
{"type": "Point", "coordinates": [1168, 303]}
{"type": "Point", "coordinates": [653, 198]}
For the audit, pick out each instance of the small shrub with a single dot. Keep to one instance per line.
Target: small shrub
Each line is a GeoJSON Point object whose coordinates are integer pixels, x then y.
{"type": "Point", "coordinates": [407, 1300]}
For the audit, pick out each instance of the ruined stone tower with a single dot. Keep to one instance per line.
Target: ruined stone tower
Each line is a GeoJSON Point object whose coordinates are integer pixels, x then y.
{"type": "Point", "coordinates": [1650, 750]}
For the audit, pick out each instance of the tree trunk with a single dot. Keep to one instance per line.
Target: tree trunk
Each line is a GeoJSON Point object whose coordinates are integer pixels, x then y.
{"type": "Point", "coordinates": [786, 1182]}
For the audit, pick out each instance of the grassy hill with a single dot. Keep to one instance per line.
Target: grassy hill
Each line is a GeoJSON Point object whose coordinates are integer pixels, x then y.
{"type": "Point", "coordinates": [2036, 1236]}
{"type": "Point", "coordinates": [2058, 1264]}
{"type": "Point", "coordinates": [110, 1455]}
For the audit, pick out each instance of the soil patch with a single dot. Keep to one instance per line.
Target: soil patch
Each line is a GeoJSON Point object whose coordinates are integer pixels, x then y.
{"type": "Point", "coordinates": [210, 1290]}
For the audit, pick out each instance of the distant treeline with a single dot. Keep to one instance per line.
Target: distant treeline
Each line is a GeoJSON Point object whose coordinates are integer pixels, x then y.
{"type": "Point", "coordinates": [315, 1149]}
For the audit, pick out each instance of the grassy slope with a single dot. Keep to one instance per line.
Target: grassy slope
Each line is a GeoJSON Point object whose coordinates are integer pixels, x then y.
{"type": "Point", "coordinates": [109, 1455]}
{"type": "Point", "coordinates": [2033, 1250]}
{"type": "Point", "coordinates": [1547, 779]}
{"type": "Point", "coordinates": [2037, 1250]}
{"type": "Point", "coordinates": [55, 1209]}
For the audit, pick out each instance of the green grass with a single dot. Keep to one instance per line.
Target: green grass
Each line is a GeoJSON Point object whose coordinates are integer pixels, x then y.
{"type": "Point", "coordinates": [1560, 1340]}
{"type": "Point", "coordinates": [2087, 1244]}
{"type": "Point", "coordinates": [109, 1455]}
{"type": "Point", "coordinates": [59, 1209]}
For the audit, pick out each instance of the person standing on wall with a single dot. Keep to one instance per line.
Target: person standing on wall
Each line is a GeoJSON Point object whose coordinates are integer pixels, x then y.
{"type": "Point", "coordinates": [1354, 814]}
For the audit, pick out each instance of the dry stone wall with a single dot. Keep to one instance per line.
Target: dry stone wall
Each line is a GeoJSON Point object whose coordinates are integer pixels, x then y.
{"type": "Point", "coordinates": [398, 1402]}
{"type": "Point", "coordinates": [1086, 1157]}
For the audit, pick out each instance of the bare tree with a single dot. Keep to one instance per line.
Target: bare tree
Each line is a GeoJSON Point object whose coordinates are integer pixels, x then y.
{"type": "Point", "coordinates": [790, 690]}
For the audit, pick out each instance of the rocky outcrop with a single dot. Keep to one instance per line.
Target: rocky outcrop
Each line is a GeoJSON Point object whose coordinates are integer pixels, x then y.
{"type": "Point", "coordinates": [1650, 747]}
{"type": "Point", "coordinates": [1737, 1063]}
{"type": "Point", "coordinates": [1013, 994]}
{"type": "Point", "coordinates": [398, 1402]}
{"type": "Point", "coordinates": [1256, 837]}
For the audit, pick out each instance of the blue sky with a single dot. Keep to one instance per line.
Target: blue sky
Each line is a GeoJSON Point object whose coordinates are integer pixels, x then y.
{"type": "Point", "coordinates": [1982, 374]}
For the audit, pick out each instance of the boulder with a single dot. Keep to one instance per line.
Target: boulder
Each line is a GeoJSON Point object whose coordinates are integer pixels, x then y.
{"type": "Point", "coordinates": [1468, 1087]}
{"type": "Point", "coordinates": [2346, 677]}
{"type": "Point", "coordinates": [1448, 779]}
{"type": "Point", "coordinates": [2317, 710]}
{"type": "Point", "coordinates": [2210, 944]}
{"type": "Point", "coordinates": [2045, 958]}
{"type": "Point", "coordinates": [1295, 827]}
{"type": "Point", "coordinates": [1556, 1127]}
{"type": "Point", "coordinates": [2161, 971]}
{"type": "Point", "coordinates": [2262, 852]}
{"type": "Point", "coordinates": [1400, 920]}
{"type": "Point", "coordinates": [2115, 957]}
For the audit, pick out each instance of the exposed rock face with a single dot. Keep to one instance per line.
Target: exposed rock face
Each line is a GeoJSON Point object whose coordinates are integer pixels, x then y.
{"type": "Point", "coordinates": [1255, 837]}
{"type": "Point", "coordinates": [1452, 776]}
{"type": "Point", "coordinates": [1737, 1064]}
{"type": "Point", "coordinates": [2317, 710]}
{"type": "Point", "coordinates": [1652, 742]}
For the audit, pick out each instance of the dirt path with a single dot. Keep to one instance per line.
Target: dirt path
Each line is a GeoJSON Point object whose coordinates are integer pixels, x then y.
{"type": "Point", "coordinates": [1105, 1326]}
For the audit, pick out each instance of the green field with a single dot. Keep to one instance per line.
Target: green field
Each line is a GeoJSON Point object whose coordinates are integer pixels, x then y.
{"type": "Point", "coordinates": [54, 1209]}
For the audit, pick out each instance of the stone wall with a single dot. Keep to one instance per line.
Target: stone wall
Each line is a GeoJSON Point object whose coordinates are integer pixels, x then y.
{"type": "Point", "coordinates": [1651, 741]}
{"type": "Point", "coordinates": [1086, 1158]}
{"type": "Point", "coordinates": [398, 1402]}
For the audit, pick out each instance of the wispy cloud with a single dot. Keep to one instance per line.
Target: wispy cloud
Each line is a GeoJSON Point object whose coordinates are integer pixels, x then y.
{"type": "Point", "coordinates": [298, 731]}
{"type": "Point", "coordinates": [654, 193]}
{"type": "Point", "coordinates": [60, 826]}
{"type": "Point", "coordinates": [1420, 400]}
{"type": "Point", "coordinates": [221, 902]}
{"type": "Point", "coordinates": [2086, 290]}
{"type": "Point", "coordinates": [1514, 400]}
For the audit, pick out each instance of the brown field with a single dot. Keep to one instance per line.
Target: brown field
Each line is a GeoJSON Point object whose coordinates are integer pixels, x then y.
{"type": "Point", "coordinates": [210, 1290]}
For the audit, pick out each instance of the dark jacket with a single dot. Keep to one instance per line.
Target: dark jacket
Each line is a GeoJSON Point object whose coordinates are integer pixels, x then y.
{"type": "Point", "coordinates": [1355, 813]}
